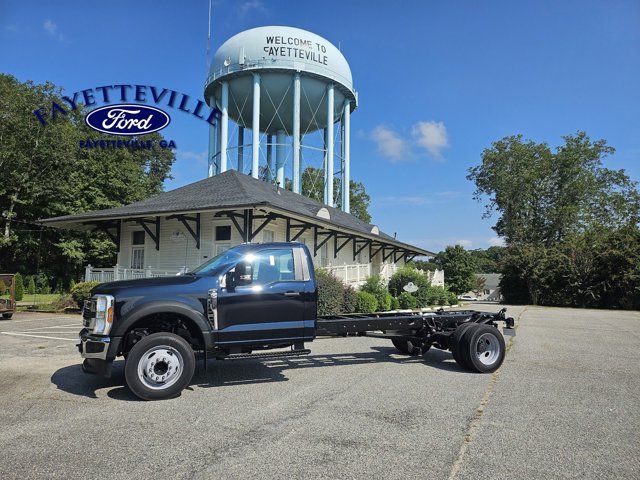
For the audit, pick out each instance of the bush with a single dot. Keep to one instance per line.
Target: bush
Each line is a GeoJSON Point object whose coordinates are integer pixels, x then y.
{"type": "Point", "coordinates": [349, 300]}
{"type": "Point", "coordinates": [438, 296]}
{"type": "Point", "coordinates": [64, 302]}
{"type": "Point", "coordinates": [407, 300]}
{"type": "Point", "coordinates": [409, 274]}
{"type": "Point", "coordinates": [31, 288]}
{"type": "Point", "coordinates": [82, 291]}
{"type": "Point", "coordinates": [366, 302]}
{"type": "Point", "coordinates": [395, 304]}
{"type": "Point", "coordinates": [452, 298]}
{"type": "Point", "coordinates": [42, 284]}
{"type": "Point", "coordinates": [375, 286]}
{"type": "Point", "coordinates": [330, 293]}
{"type": "Point", "coordinates": [19, 288]}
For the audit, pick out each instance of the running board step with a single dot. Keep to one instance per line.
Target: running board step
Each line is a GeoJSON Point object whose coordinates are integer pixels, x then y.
{"type": "Point", "coordinates": [242, 356]}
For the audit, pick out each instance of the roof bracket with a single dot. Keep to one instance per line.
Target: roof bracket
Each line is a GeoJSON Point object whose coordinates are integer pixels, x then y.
{"type": "Point", "coordinates": [268, 219]}
{"type": "Point", "coordinates": [337, 248]}
{"type": "Point", "coordinates": [184, 219]}
{"type": "Point", "coordinates": [144, 223]}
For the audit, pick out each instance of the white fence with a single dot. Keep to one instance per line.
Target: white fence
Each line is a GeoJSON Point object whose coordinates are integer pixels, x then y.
{"type": "Point", "coordinates": [113, 274]}
{"type": "Point", "coordinates": [354, 275]}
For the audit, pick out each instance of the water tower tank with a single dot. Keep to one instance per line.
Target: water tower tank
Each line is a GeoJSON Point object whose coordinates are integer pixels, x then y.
{"type": "Point", "coordinates": [288, 83]}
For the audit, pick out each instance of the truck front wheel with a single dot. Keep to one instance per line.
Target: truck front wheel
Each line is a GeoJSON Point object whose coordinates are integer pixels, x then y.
{"type": "Point", "coordinates": [159, 366]}
{"type": "Point", "coordinates": [405, 346]}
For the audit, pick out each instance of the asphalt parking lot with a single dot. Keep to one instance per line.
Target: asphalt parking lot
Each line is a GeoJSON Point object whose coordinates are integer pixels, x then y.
{"type": "Point", "coordinates": [565, 404]}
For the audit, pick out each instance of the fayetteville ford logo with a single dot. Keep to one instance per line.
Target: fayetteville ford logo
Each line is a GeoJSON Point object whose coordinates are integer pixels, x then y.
{"type": "Point", "coordinates": [127, 119]}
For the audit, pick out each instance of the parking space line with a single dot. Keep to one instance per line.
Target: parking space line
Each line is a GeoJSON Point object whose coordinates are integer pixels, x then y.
{"type": "Point", "coordinates": [39, 336]}
{"type": "Point", "coordinates": [69, 326]}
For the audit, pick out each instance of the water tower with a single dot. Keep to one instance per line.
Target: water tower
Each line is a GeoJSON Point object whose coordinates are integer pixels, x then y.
{"type": "Point", "coordinates": [290, 88]}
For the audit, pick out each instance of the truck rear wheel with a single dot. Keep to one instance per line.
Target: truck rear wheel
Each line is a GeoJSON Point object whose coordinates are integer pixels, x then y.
{"type": "Point", "coordinates": [159, 366]}
{"type": "Point", "coordinates": [455, 343]}
{"type": "Point", "coordinates": [7, 316]}
{"type": "Point", "coordinates": [482, 348]}
{"type": "Point", "coordinates": [405, 346]}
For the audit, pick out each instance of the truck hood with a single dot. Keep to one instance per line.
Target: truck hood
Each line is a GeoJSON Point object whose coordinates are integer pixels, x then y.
{"type": "Point", "coordinates": [112, 288]}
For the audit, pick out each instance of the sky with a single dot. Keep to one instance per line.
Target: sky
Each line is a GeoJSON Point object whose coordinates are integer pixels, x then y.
{"type": "Point", "coordinates": [438, 82]}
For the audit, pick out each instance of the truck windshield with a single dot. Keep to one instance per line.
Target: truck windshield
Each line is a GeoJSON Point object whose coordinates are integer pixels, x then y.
{"type": "Point", "coordinates": [233, 255]}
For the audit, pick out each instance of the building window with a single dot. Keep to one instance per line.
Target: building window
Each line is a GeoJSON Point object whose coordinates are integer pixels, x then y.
{"type": "Point", "coordinates": [268, 236]}
{"type": "Point", "coordinates": [137, 257]}
{"type": "Point", "coordinates": [223, 233]}
{"type": "Point", "coordinates": [137, 238]}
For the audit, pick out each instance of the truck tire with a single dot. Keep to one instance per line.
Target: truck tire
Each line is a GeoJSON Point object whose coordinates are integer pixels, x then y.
{"type": "Point", "coordinates": [159, 366]}
{"type": "Point", "coordinates": [405, 346]}
{"type": "Point", "coordinates": [455, 343]}
{"type": "Point", "coordinates": [7, 315]}
{"type": "Point", "coordinates": [482, 348]}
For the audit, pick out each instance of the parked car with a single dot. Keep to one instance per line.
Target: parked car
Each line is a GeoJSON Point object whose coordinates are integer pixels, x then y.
{"type": "Point", "coordinates": [468, 298]}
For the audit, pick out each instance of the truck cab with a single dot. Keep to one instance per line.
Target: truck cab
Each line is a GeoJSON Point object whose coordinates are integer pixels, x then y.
{"type": "Point", "coordinates": [250, 297]}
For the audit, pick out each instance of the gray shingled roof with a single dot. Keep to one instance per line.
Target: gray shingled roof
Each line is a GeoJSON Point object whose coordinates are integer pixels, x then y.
{"type": "Point", "coordinates": [232, 190]}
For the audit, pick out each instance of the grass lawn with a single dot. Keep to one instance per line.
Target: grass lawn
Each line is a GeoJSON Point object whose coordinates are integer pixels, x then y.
{"type": "Point", "coordinates": [36, 298]}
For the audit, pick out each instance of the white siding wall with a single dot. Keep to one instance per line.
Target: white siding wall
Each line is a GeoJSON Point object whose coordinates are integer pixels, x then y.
{"type": "Point", "coordinates": [172, 254]}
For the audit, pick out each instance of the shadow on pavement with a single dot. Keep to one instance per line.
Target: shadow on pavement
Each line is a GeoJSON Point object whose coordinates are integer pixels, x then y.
{"type": "Point", "coordinates": [73, 380]}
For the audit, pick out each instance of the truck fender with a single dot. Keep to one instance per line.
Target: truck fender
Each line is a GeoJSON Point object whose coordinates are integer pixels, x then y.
{"type": "Point", "coordinates": [164, 306]}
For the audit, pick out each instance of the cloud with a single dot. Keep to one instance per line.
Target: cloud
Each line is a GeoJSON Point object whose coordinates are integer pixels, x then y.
{"type": "Point", "coordinates": [10, 28]}
{"type": "Point", "coordinates": [496, 242]}
{"type": "Point", "coordinates": [390, 143]}
{"type": "Point", "coordinates": [432, 136]}
{"type": "Point", "coordinates": [464, 242]}
{"type": "Point", "coordinates": [51, 28]}
{"type": "Point", "coordinates": [252, 5]}
{"type": "Point", "coordinates": [418, 200]}
{"type": "Point", "coordinates": [198, 157]}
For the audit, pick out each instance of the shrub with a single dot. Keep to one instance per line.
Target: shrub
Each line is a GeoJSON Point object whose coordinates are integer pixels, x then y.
{"type": "Point", "coordinates": [19, 288]}
{"type": "Point", "coordinates": [31, 288]}
{"type": "Point", "coordinates": [409, 274]}
{"type": "Point", "coordinates": [395, 304]}
{"type": "Point", "coordinates": [407, 300]}
{"type": "Point", "coordinates": [438, 296]}
{"type": "Point", "coordinates": [375, 286]}
{"type": "Point", "coordinates": [82, 291]}
{"type": "Point", "coordinates": [366, 302]}
{"type": "Point", "coordinates": [349, 300]}
{"type": "Point", "coordinates": [452, 298]}
{"type": "Point", "coordinates": [42, 284]}
{"type": "Point", "coordinates": [64, 302]}
{"type": "Point", "coordinates": [330, 293]}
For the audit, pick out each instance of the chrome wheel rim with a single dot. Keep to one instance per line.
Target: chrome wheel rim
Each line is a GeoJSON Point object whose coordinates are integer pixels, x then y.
{"type": "Point", "coordinates": [487, 349]}
{"type": "Point", "coordinates": [160, 367]}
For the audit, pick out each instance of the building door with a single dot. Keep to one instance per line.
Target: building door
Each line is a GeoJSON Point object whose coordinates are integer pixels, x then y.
{"type": "Point", "coordinates": [137, 249]}
{"type": "Point", "coordinates": [137, 258]}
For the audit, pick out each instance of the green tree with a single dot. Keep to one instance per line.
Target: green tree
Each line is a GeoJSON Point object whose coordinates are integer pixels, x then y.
{"type": "Point", "coordinates": [458, 266]}
{"type": "Point", "coordinates": [31, 288]}
{"type": "Point", "coordinates": [46, 174]}
{"type": "Point", "coordinates": [542, 196]}
{"type": "Point", "coordinates": [19, 287]}
{"type": "Point", "coordinates": [313, 187]}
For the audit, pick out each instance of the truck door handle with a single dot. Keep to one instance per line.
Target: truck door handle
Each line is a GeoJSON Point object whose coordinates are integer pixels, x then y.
{"type": "Point", "coordinates": [291, 294]}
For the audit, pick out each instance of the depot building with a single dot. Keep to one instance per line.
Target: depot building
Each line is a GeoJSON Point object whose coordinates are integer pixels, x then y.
{"type": "Point", "coordinates": [182, 228]}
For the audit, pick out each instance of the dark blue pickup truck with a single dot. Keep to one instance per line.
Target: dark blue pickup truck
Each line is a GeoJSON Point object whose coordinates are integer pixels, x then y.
{"type": "Point", "coordinates": [245, 303]}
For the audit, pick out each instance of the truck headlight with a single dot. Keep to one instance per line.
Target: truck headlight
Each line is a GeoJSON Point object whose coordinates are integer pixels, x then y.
{"type": "Point", "coordinates": [104, 314]}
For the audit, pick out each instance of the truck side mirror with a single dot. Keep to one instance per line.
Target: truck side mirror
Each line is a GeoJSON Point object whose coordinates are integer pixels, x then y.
{"type": "Point", "coordinates": [241, 275]}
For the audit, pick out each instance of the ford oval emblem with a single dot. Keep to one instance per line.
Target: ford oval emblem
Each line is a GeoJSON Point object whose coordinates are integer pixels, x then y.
{"type": "Point", "coordinates": [127, 119]}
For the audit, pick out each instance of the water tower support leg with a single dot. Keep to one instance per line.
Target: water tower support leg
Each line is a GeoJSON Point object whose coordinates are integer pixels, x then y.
{"type": "Point", "coordinates": [329, 171]}
{"type": "Point", "coordinates": [255, 127]}
{"type": "Point", "coordinates": [269, 158]}
{"type": "Point", "coordinates": [280, 139]}
{"type": "Point", "coordinates": [296, 133]}
{"type": "Point", "coordinates": [212, 151]}
{"type": "Point", "coordinates": [346, 159]}
{"type": "Point", "coordinates": [217, 154]}
{"type": "Point", "coordinates": [324, 168]}
{"type": "Point", "coordinates": [241, 149]}
{"type": "Point", "coordinates": [224, 126]}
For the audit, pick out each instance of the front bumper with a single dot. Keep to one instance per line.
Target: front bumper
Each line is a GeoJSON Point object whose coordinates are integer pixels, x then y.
{"type": "Point", "coordinates": [98, 352]}
{"type": "Point", "coordinates": [93, 346]}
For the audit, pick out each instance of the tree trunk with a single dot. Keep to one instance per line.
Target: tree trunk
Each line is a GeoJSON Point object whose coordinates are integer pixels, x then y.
{"type": "Point", "coordinates": [7, 223]}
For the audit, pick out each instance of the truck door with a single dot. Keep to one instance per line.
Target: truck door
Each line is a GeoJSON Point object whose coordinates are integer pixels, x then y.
{"type": "Point", "coordinates": [263, 302]}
